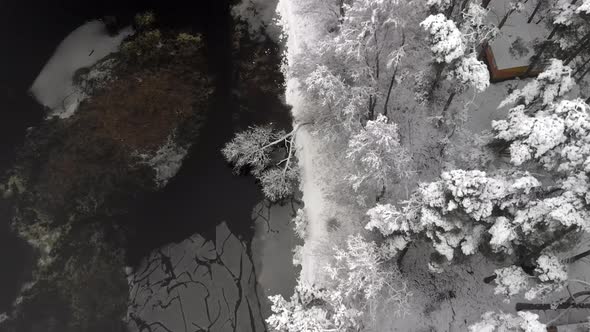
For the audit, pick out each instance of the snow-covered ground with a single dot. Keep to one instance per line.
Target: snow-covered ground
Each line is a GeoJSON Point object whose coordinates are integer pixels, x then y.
{"type": "Point", "coordinates": [450, 301]}
{"type": "Point", "coordinates": [83, 47]}
{"type": "Point", "coordinates": [297, 28]}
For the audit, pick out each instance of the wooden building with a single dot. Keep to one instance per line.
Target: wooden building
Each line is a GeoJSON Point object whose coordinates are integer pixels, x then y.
{"type": "Point", "coordinates": [510, 52]}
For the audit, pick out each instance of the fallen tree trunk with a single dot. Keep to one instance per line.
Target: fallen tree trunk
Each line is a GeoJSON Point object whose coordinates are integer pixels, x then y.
{"type": "Point", "coordinates": [550, 306]}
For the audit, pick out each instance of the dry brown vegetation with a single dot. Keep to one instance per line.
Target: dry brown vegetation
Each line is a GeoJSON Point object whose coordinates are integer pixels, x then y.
{"type": "Point", "coordinates": [91, 155]}
{"type": "Point", "coordinates": [141, 111]}
{"type": "Point", "coordinates": [77, 166]}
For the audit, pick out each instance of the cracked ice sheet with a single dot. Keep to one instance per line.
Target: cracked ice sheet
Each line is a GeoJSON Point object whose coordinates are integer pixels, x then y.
{"type": "Point", "coordinates": [273, 247]}
{"type": "Point", "coordinates": [200, 285]}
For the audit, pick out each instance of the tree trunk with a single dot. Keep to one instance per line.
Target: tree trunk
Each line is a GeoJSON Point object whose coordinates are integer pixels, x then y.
{"type": "Point", "coordinates": [464, 4]}
{"type": "Point", "coordinates": [372, 103]}
{"type": "Point", "coordinates": [537, 57]}
{"type": "Point", "coordinates": [583, 45]}
{"type": "Point", "coordinates": [389, 90]}
{"type": "Point", "coordinates": [403, 42]}
{"type": "Point", "coordinates": [448, 103]}
{"type": "Point", "coordinates": [550, 306]}
{"type": "Point", "coordinates": [381, 194]}
{"type": "Point", "coordinates": [401, 256]}
{"type": "Point", "coordinates": [579, 69]}
{"type": "Point", "coordinates": [489, 279]}
{"type": "Point", "coordinates": [438, 67]}
{"type": "Point", "coordinates": [505, 18]}
{"type": "Point", "coordinates": [577, 257]}
{"type": "Point", "coordinates": [342, 13]}
{"type": "Point", "coordinates": [539, 3]}
{"type": "Point", "coordinates": [583, 75]}
{"type": "Point", "coordinates": [451, 8]}
{"type": "Point", "coordinates": [570, 303]}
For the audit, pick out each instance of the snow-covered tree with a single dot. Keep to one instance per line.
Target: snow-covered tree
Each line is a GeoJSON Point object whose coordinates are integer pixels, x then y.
{"type": "Point", "coordinates": [524, 321]}
{"type": "Point", "coordinates": [511, 281]}
{"type": "Point", "coordinates": [552, 84]}
{"type": "Point", "coordinates": [455, 51]}
{"type": "Point", "coordinates": [351, 72]}
{"type": "Point", "coordinates": [510, 211]}
{"type": "Point", "coordinates": [360, 282]}
{"type": "Point", "coordinates": [475, 28]}
{"type": "Point", "coordinates": [377, 156]}
{"type": "Point", "coordinates": [278, 183]}
{"type": "Point", "coordinates": [471, 72]}
{"type": "Point", "coordinates": [256, 150]}
{"type": "Point", "coordinates": [251, 148]}
{"type": "Point", "coordinates": [307, 310]}
{"type": "Point", "coordinates": [439, 5]}
{"type": "Point", "coordinates": [513, 213]}
{"type": "Point", "coordinates": [569, 37]}
{"type": "Point", "coordinates": [338, 106]}
{"type": "Point", "coordinates": [445, 38]}
{"type": "Point", "coordinates": [300, 223]}
{"type": "Point", "coordinates": [388, 220]}
{"type": "Point", "coordinates": [466, 73]}
{"type": "Point", "coordinates": [358, 78]}
{"type": "Point", "coordinates": [555, 137]}
{"type": "Point", "coordinates": [456, 212]}
{"type": "Point", "coordinates": [350, 79]}
{"type": "Point", "coordinates": [549, 275]}
{"type": "Point", "coordinates": [571, 29]}
{"type": "Point", "coordinates": [361, 276]}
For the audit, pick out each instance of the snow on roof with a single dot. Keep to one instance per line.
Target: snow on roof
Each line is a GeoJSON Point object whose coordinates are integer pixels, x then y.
{"type": "Point", "coordinates": [513, 46]}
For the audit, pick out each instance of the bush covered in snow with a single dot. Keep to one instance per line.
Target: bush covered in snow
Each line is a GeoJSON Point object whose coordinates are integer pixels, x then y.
{"type": "Point", "coordinates": [361, 283]}
{"type": "Point", "coordinates": [300, 223]}
{"type": "Point", "coordinates": [524, 321]}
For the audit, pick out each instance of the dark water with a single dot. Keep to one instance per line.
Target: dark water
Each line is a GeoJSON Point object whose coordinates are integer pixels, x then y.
{"type": "Point", "coordinates": [203, 194]}
{"type": "Point", "coordinates": [31, 30]}
{"type": "Point", "coordinates": [206, 191]}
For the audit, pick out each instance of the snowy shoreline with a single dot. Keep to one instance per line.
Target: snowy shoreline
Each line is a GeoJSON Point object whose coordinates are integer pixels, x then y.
{"type": "Point", "coordinates": [294, 26]}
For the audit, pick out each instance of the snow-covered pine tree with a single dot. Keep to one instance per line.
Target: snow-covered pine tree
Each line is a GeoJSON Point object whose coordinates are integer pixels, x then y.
{"type": "Point", "coordinates": [511, 212]}
{"type": "Point", "coordinates": [569, 37]}
{"type": "Point", "coordinates": [455, 45]}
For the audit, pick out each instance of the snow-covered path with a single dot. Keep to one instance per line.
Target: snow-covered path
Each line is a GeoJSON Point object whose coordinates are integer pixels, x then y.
{"type": "Point", "coordinates": [296, 27]}
{"type": "Point", "coordinates": [314, 206]}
